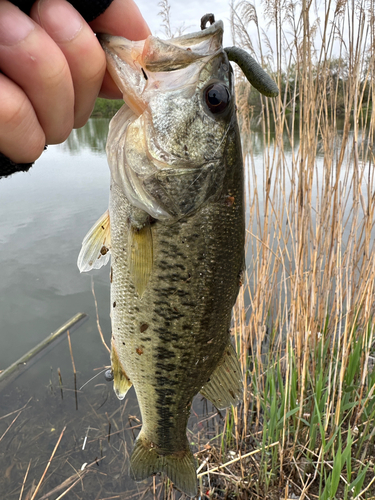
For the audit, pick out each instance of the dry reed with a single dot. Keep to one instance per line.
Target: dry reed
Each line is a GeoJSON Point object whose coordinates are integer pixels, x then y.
{"type": "Point", "coordinates": [303, 322]}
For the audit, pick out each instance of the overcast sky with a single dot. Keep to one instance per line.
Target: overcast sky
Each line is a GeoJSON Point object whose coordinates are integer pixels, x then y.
{"type": "Point", "coordinates": [187, 12]}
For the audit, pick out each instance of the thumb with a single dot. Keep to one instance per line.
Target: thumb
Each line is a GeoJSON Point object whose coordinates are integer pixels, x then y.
{"type": "Point", "coordinates": [122, 18]}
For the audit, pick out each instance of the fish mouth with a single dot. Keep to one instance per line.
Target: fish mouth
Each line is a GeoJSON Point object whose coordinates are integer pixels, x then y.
{"type": "Point", "coordinates": [165, 55]}
{"type": "Point", "coordinates": [140, 67]}
{"type": "Point", "coordinates": [150, 150]}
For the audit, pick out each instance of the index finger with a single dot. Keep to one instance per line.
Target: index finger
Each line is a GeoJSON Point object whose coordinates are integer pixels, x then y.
{"type": "Point", "coordinates": [122, 18]}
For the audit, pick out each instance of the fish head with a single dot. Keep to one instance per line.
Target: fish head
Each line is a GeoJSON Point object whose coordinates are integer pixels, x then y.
{"type": "Point", "coordinates": [167, 149]}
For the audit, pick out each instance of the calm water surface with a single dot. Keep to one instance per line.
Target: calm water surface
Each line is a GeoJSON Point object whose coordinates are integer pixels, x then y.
{"type": "Point", "coordinates": [44, 215]}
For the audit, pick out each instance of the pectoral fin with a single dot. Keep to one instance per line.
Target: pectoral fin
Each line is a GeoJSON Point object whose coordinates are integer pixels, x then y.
{"type": "Point", "coordinates": [96, 246]}
{"type": "Point", "coordinates": [225, 387]}
{"type": "Point", "coordinates": [121, 382]}
{"type": "Point", "coordinates": [140, 256]}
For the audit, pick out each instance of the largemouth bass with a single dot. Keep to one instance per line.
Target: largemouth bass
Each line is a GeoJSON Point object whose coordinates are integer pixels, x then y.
{"type": "Point", "coordinates": [175, 230]}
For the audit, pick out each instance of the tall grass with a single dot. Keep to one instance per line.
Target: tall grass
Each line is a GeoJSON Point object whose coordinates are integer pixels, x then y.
{"type": "Point", "coordinates": [304, 320]}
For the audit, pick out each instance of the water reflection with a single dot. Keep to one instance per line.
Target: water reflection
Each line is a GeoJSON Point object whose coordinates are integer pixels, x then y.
{"type": "Point", "coordinates": [333, 196]}
{"type": "Point", "coordinates": [93, 136]}
{"type": "Point", "coordinates": [256, 140]}
{"type": "Point", "coordinates": [93, 435]}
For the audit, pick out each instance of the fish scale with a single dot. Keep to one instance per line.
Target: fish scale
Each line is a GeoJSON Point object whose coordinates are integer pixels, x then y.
{"type": "Point", "coordinates": [175, 231]}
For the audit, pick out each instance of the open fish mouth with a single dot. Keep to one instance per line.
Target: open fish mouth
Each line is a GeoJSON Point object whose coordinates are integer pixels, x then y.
{"type": "Point", "coordinates": [137, 67]}
{"type": "Point", "coordinates": [154, 55]}
{"type": "Point", "coordinates": [163, 167]}
{"type": "Point", "coordinates": [167, 55]}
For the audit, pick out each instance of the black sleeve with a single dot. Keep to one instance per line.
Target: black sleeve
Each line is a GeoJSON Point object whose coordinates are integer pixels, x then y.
{"type": "Point", "coordinates": [89, 9]}
{"type": "Point", "coordinates": [8, 167]}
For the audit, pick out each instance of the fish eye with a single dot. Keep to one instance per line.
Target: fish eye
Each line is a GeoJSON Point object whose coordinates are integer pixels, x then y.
{"type": "Point", "coordinates": [217, 97]}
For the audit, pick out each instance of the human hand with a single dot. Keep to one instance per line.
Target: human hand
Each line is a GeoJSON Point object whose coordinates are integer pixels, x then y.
{"type": "Point", "coordinates": [52, 68]}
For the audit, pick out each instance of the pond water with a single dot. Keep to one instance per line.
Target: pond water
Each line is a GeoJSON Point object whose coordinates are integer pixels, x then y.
{"type": "Point", "coordinates": [44, 216]}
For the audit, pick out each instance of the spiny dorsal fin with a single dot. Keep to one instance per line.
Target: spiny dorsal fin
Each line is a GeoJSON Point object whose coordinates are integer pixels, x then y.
{"type": "Point", "coordinates": [225, 385]}
{"type": "Point", "coordinates": [179, 467]}
{"type": "Point", "coordinates": [96, 246]}
{"type": "Point", "coordinates": [140, 256]}
{"type": "Point", "coordinates": [121, 382]}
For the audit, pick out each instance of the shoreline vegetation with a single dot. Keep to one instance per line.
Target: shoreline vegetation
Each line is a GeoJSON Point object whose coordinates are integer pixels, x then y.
{"type": "Point", "coordinates": [105, 108]}
{"type": "Point", "coordinates": [304, 319]}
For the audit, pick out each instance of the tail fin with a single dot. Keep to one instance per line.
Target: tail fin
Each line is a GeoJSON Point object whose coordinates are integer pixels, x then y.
{"type": "Point", "coordinates": [179, 467]}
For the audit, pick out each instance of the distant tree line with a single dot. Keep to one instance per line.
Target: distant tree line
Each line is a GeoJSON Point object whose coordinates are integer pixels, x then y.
{"type": "Point", "coordinates": [335, 83]}
{"type": "Point", "coordinates": [106, 108]}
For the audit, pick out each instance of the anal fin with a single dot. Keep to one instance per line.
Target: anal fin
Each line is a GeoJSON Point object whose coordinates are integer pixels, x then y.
{"type": "Point", "coordinates": [140, 256]}
{"type": "Point", "coordinates": [180, 467]}
{"type": "Point", "coordinates": [121, 382]}
{"type": "Point", "coordinates": [225, 386]}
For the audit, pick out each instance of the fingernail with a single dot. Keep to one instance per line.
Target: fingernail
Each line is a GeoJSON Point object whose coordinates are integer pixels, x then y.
{"type": "Point", "coordinates": [14, 24]}
{"type": "Point", "coordinates": [60, 19]}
